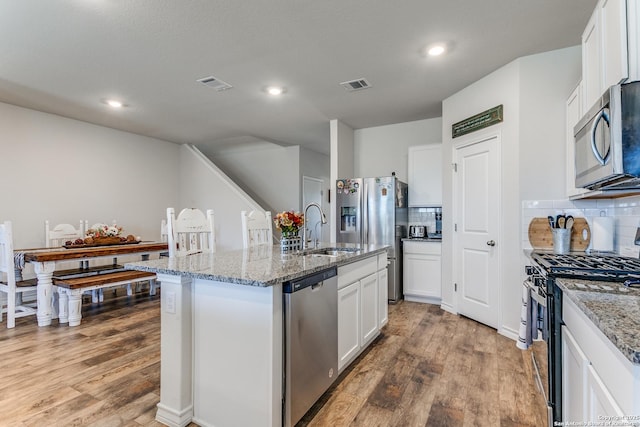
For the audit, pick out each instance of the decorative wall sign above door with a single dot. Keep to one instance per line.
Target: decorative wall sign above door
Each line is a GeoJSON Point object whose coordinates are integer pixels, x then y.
{"type": "Point", "coordinates": [479, 121]}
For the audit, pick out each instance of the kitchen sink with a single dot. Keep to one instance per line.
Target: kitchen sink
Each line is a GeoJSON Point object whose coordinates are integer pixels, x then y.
{"type": "Point", "coordinates": [331, 252]}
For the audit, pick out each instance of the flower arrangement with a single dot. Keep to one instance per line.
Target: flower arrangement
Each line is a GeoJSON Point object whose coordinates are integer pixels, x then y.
{"type": "Point", "coordinates": [289, 222]}
{"type": "Point", "coordinates": [104, 231]}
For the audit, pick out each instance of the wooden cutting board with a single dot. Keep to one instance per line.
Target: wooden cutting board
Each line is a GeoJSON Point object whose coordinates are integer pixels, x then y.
{"type": "Point", "coordinates": [540, 234]}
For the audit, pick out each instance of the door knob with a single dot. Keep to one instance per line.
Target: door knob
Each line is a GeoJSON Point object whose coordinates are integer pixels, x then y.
{"type": "Point", "coordinates": [491, 243]}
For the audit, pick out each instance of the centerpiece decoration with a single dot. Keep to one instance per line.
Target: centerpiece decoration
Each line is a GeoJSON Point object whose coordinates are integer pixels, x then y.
{"type": "Point", "coordinates": [289, 223]}
{"type": "Point", "coordinates": [104, 235]}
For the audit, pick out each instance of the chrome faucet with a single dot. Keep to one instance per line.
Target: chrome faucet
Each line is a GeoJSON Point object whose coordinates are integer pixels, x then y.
{"type": "Point", "coordinates": [323, 218]}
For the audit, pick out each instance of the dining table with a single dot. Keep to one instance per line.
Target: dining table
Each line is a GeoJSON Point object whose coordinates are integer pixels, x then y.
{"type": "Point", "coordinates": [44, 261]}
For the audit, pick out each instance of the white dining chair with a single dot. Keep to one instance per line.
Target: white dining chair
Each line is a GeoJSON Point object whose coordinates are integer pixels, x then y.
{"type": "Point", "coordinates": [10, 289]}
{"type": "Point", "coordinates": [190, 232]}
{"type": "Point", "coordinates": [62, 233]}
{"type": "Point", "coordinates": [257, 228]}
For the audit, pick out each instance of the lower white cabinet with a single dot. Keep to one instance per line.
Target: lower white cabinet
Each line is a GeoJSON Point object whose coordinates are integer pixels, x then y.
{"type": "Point", "coordinates": [383, 297]}
{"type": "Point", "coordinates": [422, 271]}
{"type": "Point", "coordinates": [574, 379]}
{"type": "Point", "coordinates": [600, 402]}
{"type": "Point", "coordinates": [369, 308]}
{"type": "Point", "coordinates": [598, 381]}
{"type": "Point", "coordinates": [348, 323]}
{"type": "Point", "coordinates": [359, 306]}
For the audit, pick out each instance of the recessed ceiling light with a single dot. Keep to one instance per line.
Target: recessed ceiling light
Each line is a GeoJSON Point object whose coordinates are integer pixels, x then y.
{"type": "Point", "coordinates": [436, 50]}
{"type": "Point", "coordinates": [113, 103]}
{"type": "Point", "coordinates": [275, 90]}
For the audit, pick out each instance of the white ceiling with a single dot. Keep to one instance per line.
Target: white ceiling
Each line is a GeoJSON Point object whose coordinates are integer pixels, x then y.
{"type": "Point", "coordinates": [66, 56]}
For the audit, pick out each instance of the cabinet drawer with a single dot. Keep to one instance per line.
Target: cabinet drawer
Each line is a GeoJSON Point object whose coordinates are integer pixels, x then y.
{"type": "Point", "coordinates": [355, 271]}
{"type": "Point", "coordinates": [424, 248]}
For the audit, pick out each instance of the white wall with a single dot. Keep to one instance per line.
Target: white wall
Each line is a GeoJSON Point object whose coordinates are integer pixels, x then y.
{"type": "Point", "coordinates": [380, 150]}
{"type": "Point", "coordinates": [529, 136]}
{"type": "Point", "coordinates": [269, 170]}
{"type": "Point", "coordinates": [318, 165]}
{"type": "Point", "coordinates": [204, 186]}
{"type": "Point", "coordinates": [65, 170]}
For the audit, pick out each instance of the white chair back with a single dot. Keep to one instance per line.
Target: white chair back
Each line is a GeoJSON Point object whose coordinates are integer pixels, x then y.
{"type": "Point", "coordinates": [191, 232]}
{"type": "Point", "coordinates": [257, 228]}
{"type": "Point", "coordinates": [61, 233]}
{"type": "Point", "coordinates": [9, 288]}
{"type": "Point", "coordinates": [164, 233]}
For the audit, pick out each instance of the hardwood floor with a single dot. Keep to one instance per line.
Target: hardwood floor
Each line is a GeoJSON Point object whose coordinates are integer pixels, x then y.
{"type": "Point", "coordinates": [432, 368]}
{"type": "Point", "coordinates": [428, 368]}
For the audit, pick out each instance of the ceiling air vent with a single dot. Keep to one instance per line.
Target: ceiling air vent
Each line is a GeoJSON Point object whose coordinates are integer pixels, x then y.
{"type": "Point", "coordinates": [354, 85]}
{"type": "Point", "coordinates": [215, 83]}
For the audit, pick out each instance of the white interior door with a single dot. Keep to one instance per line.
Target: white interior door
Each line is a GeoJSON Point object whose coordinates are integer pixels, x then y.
{"type": "Point", "coordinates": [312, 193]}
{"type": "Point", "coordinates": [477, 220]}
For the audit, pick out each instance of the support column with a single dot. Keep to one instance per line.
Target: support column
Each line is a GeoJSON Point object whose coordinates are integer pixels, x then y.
{"type": "Point", "coordinates": [176, 343]}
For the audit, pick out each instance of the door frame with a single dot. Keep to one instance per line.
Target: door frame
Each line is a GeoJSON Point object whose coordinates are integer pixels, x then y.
{"type": "Point", "coordinates": [305, 179]}
{"type": "Point", "coordinates": [466, 141]}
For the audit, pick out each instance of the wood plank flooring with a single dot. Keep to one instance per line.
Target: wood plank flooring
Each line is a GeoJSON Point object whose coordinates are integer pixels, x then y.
{"type": "Point", "coordinates": [428, 368]}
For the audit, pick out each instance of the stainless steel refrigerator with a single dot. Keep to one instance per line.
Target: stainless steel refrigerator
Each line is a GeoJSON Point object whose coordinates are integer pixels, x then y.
{"type": "Point", "coordinates": [374, 211]}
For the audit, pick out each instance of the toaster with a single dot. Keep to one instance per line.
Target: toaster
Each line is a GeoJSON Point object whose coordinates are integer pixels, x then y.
{"type": "Point", "coordinates": [418, 231]}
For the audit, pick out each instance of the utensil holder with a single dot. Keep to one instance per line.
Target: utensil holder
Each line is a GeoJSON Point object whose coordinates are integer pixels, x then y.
{"type": "Point", "coordinates": [561, 240]}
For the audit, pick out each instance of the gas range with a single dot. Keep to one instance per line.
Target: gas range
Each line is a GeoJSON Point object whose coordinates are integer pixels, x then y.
{"type": "Point", "coordinates": [606, 268]}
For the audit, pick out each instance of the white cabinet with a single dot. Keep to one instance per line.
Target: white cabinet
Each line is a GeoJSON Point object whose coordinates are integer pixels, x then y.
{"type": "Point", "coordinates": [369, 308]}
{"type": "Point", "coordinates": [383, 297]}
{"type": "Point", "coordinates": [597, 379]}
{"type": "Point", "coordinates": [574, 379]}
{"type": "Point", "coordinates": [348, 323]}
{"type": "Point", "coordinates": [425, 175]}
{"type": "Point", "coordinates": [606, 57]}
{"type": "Point", "coordinates": [358, 306]}
{"type": "Point", "coordinates": [573, 115]}
{"type": "Point", "coordinates": [422, 271]}
{"type": "Point", "coordinates": [600, 402]}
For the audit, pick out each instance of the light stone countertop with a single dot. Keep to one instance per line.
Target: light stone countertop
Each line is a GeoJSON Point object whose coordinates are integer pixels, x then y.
{"type": "Point", "coordinates": [258, 266]}
{"type": "Point", "coordinates": [612, 307]}
{"type": "Point", "coordinates": [425, 239]}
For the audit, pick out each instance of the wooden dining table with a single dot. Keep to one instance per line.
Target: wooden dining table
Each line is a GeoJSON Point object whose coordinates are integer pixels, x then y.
{"type": "Point", "coordinates": [44, 261]}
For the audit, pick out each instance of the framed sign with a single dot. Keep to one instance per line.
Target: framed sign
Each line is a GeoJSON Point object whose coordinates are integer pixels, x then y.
{"type": "Point", "coordinates": [479, 121]}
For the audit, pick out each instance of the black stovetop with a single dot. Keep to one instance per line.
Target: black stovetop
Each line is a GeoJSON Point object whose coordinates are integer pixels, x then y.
{"type": "Point", "coordinates": [612, 268]}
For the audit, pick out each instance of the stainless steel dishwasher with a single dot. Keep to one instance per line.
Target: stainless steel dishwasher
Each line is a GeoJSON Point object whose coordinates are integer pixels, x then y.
{"type": "Point", "coordinates": [310, 341]}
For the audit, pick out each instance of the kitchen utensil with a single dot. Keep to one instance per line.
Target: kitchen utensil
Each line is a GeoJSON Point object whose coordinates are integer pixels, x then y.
{"type": "Point", "coordinates": [540, 234]}
{"type": "Point", "coordinates": [560, 221]}
{"type": "Point", "coordinates": [568, 224]}
{"type": "Point", "coordinates": [552, 222]}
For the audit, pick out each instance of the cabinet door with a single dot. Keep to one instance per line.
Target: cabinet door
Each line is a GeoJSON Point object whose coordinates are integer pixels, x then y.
{"type": "Point", "coordinates": [574, 378]}
{"type": "Point", "coordinates": [348, 323]}
{"type": "Point", "coordinates": [573, 115]}
{"type": "Point", "coordinates": [613, 18]}
{"type": "Point", "coordinates": [369, 308]}
{"type": "Point", "coordinates": [422, 275]}
{"type": "Point", "coordinates": [425, 175]}
{"type": "Point", "coordinates": [600, 401]}
{"type": "Point", "coordinates": [383, 298]}
{"type": "Point", "coordinates": [591, 61]}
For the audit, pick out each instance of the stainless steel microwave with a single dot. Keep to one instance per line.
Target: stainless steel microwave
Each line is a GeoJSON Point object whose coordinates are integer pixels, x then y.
{"type": "Point", "coordinates": [607, 141]}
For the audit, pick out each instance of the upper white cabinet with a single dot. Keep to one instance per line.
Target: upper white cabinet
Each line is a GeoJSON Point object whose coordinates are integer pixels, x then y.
{"type": "Point", "coordinates": [573, 115]}
{"type": "Point", "coordinates": [425, 175]}
{"type": "Point", "coordinates": [607, 58]}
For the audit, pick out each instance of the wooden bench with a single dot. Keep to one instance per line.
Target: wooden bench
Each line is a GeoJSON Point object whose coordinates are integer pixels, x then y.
{"type": "Point", "coordinates": [70, 289]}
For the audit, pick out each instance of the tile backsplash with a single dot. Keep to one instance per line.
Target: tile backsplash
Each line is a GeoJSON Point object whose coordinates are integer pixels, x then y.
{"type": "Point", "coordinates": [626, 212]}
{"type": "Point", "coordinates": [424, 216]}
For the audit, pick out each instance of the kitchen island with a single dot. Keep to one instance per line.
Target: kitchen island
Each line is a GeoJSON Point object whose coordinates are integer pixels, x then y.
{"type": "Point", "coordinates": [222, 331]}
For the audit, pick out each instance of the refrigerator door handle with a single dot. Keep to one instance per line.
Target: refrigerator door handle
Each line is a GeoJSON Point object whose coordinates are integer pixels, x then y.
{"type": "Point", "coordinates": [364, 224]}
